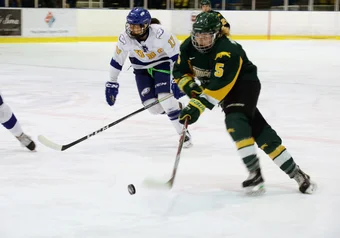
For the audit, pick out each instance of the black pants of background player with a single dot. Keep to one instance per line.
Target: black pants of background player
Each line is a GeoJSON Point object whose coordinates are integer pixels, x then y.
{"type": "Point", "coordinates": [247, 126]}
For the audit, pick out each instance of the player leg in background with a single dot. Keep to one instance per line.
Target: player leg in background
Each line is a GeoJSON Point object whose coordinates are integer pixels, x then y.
{"type": "Point", "coordinates": [9, 121]}
{"type": "Point", "coordinates": [239, 107]}
{"type": "Point", "coordinates": [172, 107]}
{"type": "Point", "coordinates": [150, 89]}
{"type": "Point", "coordinates": [268, 140]}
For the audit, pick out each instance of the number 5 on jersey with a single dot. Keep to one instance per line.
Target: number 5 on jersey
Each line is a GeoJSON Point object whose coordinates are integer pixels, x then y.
{"type": "Point", "coordinates": [218, 70]}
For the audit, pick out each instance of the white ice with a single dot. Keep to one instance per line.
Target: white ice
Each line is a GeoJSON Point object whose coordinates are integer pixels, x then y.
{"type": "Point", "coordinates": [57, 90]}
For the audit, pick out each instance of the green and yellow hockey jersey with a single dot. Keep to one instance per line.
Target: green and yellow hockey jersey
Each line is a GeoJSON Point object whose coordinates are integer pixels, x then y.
{"type": "Point", "coordinates": [218, 70]}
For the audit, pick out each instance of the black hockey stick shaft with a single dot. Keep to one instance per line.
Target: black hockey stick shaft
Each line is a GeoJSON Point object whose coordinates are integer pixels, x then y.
{"type": "Point", "coordinates": [55, 146]}
{"type": "Point", "coordinates": [179, 150]}
{"type": "Point", "coordinates": [64, 147]}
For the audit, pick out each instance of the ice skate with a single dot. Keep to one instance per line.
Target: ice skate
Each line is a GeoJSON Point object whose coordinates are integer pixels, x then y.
{"type": "Point", "coordinates": [187, 140]}
{"type": "Point", "coordinates": [26, 141]}
{"type": "Point", "coordinates": [254, 184]}
{"type": "Point", "coordinates": [304, 182]}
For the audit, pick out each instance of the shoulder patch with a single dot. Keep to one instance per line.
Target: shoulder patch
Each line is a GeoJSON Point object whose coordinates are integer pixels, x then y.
{"type": "Point", "coordinates": [122, 39]}
{"type": "Point", "coordinates": [223, 53]}
{"type": "Point", "coordinates": [159, 33]}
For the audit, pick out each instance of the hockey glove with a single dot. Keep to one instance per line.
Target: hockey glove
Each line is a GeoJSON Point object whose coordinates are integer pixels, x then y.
{"type": "Point", "coordinates": [111, 92]}
{"type": "Point", "coordinates": [188, 85]}
{"type": "Point", "coordinates": [193, 110]}
{"type": "Point", "coordinates": [175, 90]}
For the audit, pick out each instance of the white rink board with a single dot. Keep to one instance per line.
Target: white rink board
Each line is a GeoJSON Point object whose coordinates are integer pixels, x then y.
{"type": "Point", "coordinates": [246, 23]}
{"type": "Point", "coordinates": [305, 23]}
{"type": "Point", "coordinates": [103, 23]}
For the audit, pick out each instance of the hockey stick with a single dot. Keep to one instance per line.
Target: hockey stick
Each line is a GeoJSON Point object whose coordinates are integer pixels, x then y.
{"type": "Point", "coordinates": [58, 147]}
{"type": "Point", "coordinates": [156, 184]}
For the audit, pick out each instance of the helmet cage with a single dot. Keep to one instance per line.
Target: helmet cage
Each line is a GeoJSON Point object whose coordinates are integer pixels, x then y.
{"type": "Point", "coordinates": [130, 33]}
{"type": "Point", "coordinates": [201, 41]}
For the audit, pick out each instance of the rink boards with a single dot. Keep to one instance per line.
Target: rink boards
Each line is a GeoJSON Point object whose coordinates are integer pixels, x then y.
{"type": "Point", "coordinates": [104, 25]}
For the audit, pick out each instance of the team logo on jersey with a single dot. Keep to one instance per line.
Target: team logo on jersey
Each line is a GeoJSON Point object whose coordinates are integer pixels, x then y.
{"type": "Point", "coordinates": [223, 53]}
{"type": "Point", "coordinates": [200, 73]}
{"type": "Point", "coordinates": [160, 32]}
{"type": "Point", "coordinates": [145, 91]}
{"type": "Point", "coordinates": [122, 39]}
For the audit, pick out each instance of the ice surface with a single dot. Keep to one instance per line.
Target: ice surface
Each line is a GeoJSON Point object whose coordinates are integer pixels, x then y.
{"type": "Point", "coordinates": [58, 90]}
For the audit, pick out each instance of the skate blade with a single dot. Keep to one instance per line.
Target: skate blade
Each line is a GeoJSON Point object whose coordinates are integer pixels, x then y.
{"type": "Point", "coordinates": [187, 145]}
{"type": "Point", "coordinates": [312, 188]}
{"type": "Point", "coordinates": [255, 190]}
{"type": "Point", "coordinates": [156, 184]}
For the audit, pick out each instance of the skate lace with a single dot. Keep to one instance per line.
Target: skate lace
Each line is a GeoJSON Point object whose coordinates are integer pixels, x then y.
{"type": "Point", "coordinates": [24, 139]}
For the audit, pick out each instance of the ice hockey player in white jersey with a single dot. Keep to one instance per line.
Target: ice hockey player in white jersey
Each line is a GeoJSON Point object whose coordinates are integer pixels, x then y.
{"type": "Point", "coordinates": [10, 122]}
{"type": "Point", "coordinates": [152, 51]}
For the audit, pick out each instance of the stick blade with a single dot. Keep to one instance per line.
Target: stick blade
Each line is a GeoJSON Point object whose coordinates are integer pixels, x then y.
{"type": "Point", "coordinates": [50, 144]}
{"type": "Point", "coordinates": [156, 184]}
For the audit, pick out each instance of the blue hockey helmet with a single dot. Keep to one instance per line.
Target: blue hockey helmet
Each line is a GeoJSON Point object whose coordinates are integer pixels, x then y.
{"type": "Point", "coordinates": [138, 16]}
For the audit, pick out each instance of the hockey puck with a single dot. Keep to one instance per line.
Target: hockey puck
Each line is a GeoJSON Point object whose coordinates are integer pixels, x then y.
{"type": "Point", "coordinates": [131, 189]}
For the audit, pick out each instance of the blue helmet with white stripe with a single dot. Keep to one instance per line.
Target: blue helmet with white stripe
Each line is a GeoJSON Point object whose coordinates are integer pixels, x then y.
{"type": "Point", "coordinates": [138, 16]}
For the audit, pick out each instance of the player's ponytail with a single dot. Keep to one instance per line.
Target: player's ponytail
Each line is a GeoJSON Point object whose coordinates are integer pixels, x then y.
{"type": "Point", "coordinates": [155, 21]}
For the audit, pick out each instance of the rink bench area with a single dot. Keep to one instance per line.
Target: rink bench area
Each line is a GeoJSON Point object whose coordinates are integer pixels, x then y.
{"type": "Point", "coordinates": [29, 25]}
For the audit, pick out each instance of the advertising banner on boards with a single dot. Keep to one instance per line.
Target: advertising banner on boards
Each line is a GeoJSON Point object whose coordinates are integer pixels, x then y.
{"type": "Point", "coordinates": [10, 22]}
{"type": "Point", "coordinates": [49, 22]}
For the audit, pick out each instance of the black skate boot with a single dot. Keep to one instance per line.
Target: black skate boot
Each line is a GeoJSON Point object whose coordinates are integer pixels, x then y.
{"type": "Point", "coordinates": [304, 182]}
{"type": "Point", "coordinates": [254, 184]}
{"type": "Point", "coordinates": [26, 141]}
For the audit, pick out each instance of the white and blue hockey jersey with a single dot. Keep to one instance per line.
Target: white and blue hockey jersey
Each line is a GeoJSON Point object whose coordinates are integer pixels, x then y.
{"type": "Point", "coordinates": [160, 46]}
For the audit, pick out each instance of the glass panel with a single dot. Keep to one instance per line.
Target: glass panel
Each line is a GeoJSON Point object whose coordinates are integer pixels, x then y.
{"type": "Point", "coordinates": [48, 3]}
{"type": "Point", "coordinates": [184, 4]}
{"type": "Point", "coordinates": [216, 5]}
{"type": "Point", "coordinates": [137, 3]}
{"type": "Point", "coordinates": [22, 3]}
{"type": "Point", "coordinates": [324, 5]}
{"type": "Point", "coordinates": [298, 5]}
{"type": "Point", "coordinates": [42, 3]}
{"type": "Point", "coordinates": [237, 5]}
{"type": "Point", "coordinates": [114, 3]}
{"type": "Point", "coordinates": [13, 3]}
{"type": "Point", "coordinates": [265, 4]}
{"type": "Point", "coordinates": [229, 4]}
{"type": "Point", "coordinates": [292, 5]}
{"type": "Point", "coordinates": [156, 4]}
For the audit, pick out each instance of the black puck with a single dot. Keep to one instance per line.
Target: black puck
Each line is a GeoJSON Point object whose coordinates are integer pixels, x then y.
{"type": "Point", "coordinates": [131, 189]}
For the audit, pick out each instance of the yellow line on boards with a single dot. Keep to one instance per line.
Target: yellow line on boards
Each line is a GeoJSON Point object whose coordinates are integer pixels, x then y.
{"type": "Point", "coordinates": [57, 39]}
{"type": "Point", "coordinates": [181, 38]}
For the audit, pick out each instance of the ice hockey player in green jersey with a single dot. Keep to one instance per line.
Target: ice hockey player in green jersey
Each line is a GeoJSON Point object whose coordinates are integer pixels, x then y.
{"type": "Point", "coordinates": [206, 7]}
{"type": "Point", "coordinates": [229, 79]}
